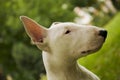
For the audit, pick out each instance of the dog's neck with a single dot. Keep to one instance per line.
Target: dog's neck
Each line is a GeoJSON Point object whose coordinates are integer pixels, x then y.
{"type": "Point", "coordinates": [64, 69]}
{"type": "Point", "coordinates": [60, 70]}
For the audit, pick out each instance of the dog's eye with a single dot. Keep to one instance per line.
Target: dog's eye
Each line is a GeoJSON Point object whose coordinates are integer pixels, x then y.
{"type": "Point", "coordinates": [67, 32]}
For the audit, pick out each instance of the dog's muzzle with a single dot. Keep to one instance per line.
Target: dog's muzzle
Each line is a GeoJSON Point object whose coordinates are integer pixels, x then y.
{"type": "Point", "coordinates": [103, 33]}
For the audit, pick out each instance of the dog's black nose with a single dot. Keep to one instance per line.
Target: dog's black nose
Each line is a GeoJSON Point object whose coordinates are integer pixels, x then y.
{"type": "Point", "coordinates": [103, 33]}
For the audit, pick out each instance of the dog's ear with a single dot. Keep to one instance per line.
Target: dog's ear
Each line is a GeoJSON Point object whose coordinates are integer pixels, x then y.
{"type": "Point", "coordinates": [36, 32]}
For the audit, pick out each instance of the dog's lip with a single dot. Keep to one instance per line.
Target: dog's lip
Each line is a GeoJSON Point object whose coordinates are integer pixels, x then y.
{"type": "Point", "coordinates": [90, 50]}
{"type": "Point", "coordinates": [87, 51]}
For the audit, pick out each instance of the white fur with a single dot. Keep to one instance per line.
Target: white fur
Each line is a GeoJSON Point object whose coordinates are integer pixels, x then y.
{"type": "Point", "coordinates": [61, 50]}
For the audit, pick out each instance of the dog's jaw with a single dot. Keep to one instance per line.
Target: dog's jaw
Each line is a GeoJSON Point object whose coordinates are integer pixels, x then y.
{"type": "Point", "coordinates": [65, 69]}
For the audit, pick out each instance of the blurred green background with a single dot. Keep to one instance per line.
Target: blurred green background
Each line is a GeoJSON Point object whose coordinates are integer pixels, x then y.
{"type": "Point", "coordinates": [19, 60]}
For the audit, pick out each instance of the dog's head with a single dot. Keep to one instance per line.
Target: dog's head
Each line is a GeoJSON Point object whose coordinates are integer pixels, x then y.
{"type": "Point", "coordinates": [65, 39]}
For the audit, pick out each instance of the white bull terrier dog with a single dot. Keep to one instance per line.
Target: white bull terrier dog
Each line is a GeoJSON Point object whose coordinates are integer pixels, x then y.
{"type": "Point", "coordinates": [62, 45]}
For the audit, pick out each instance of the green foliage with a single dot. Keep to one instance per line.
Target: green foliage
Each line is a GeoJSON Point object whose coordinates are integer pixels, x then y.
{"type": "Point", "coordinates": [84, 3]}
{"type": "Point", "coordinates": [28, 62]}
{"type": "Point", "coordinates": [101, 19]}
{"type": "Point", "coordinates": [116, 3]}
{"type": "Point", "coordinates": [106, 62]}
{"type": "Point", "coordinates": [43, 77]}
{"type": "Point", "coordinates": [17, 56]}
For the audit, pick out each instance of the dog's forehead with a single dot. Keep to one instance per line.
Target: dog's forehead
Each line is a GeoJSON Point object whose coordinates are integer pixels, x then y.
{"type": "Point", "coordinates": [60, 27]}
{"type": "Point", "coordinates": [63, 25]}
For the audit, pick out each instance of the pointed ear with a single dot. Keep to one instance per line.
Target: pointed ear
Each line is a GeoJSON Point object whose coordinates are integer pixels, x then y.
{"type": "Point", "coordinates": [36, 32]}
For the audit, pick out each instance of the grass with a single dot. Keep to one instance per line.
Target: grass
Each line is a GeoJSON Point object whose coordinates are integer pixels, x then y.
{"type": "Point", "coordinates": [106, 62]}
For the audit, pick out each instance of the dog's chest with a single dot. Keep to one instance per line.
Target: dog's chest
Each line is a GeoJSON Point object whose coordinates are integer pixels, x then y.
{"type": "Point", "coordinates": [71, 75]}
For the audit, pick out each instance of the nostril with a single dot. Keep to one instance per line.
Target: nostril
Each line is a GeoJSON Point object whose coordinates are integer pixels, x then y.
{"type": "Point", "coordinates": [103, 33]}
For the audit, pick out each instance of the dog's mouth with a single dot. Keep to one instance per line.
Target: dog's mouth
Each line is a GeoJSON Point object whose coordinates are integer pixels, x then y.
{"type": "Point", "coordinates": [90, 51]}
